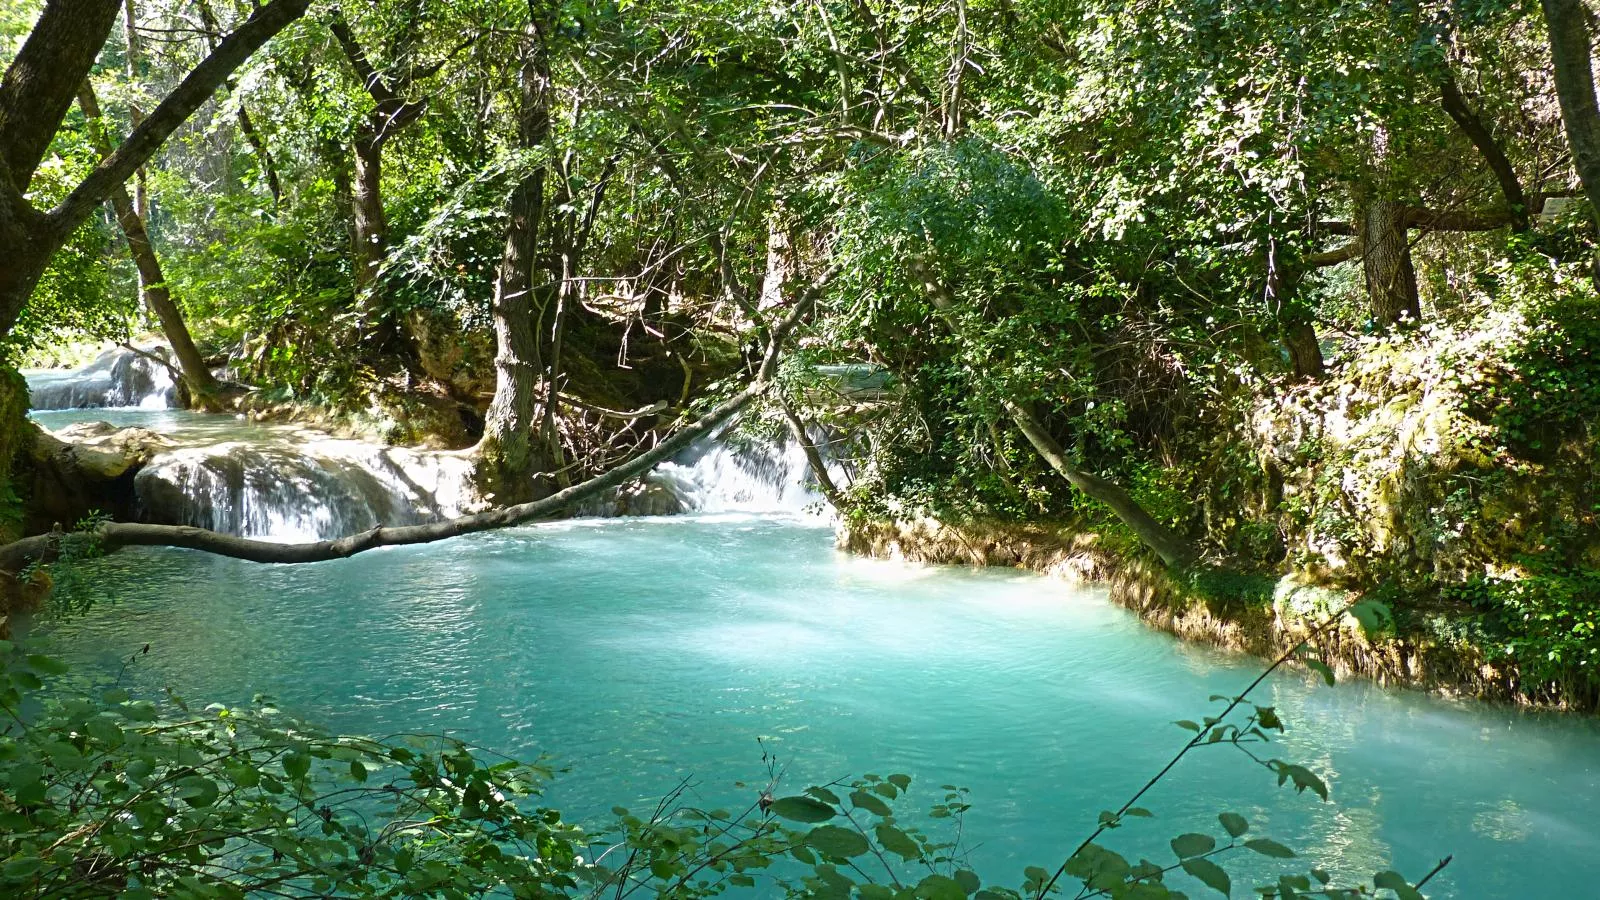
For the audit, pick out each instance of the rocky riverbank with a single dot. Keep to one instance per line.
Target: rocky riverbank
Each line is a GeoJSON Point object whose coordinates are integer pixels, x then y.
{"type": "Point", "coordinates": [1257, 615]}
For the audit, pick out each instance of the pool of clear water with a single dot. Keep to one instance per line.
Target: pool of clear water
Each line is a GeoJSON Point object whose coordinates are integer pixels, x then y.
{"type": "Point", "coordinates": [640, 652]}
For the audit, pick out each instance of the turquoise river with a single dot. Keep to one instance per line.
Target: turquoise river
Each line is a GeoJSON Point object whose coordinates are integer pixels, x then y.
{"type": "Point", "coordinates": [640, 652]}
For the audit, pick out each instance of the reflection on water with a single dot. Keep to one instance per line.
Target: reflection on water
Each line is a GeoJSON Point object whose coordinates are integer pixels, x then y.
{"type": "Point", "coordinates": [641, 652]}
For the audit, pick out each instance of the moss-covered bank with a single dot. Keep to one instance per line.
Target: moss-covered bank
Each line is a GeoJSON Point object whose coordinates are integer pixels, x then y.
{"type": "Point", "coordinates": [1262, 616]}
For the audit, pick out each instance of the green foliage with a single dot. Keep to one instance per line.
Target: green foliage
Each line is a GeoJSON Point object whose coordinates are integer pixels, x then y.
{"type": "Point", "coordinates": [1544, 617]}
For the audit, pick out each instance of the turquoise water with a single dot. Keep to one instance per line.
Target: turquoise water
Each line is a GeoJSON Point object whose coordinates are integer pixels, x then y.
{"type": "Point", "coordinates": [641, 652]}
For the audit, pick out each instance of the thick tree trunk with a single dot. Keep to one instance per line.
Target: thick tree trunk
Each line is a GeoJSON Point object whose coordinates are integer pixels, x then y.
{"type": "Point", "coordinates": [202, 387]}
{"type": "Point", "coordinates": [1572, 52]}
{"type": "Point", "coordinates": [390, 113]}
{"type": "Point", "coordinates": [1299, 337]}
{"type": "Point", "coordinates": [371, 225]}
{"type": "Point", "coordinates": [42, 81]}
{"type": "Point", "coordinates": [1391, 278]}
{"type": "Point", "coordinates": [507, 458]}
{"type": "Point", "coordinates": [1296, 327]}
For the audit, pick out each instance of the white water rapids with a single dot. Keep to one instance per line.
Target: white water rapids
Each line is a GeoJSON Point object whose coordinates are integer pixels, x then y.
{"type": "Point", "coordinates": [291, 483]}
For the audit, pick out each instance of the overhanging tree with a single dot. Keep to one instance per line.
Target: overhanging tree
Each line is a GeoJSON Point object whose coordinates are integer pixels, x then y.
{"type": "Point", "coordinates": [41, 84]}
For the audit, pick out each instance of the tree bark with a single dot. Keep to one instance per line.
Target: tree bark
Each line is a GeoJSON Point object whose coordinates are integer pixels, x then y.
{"type": "Point", "coordinates": [39, 85]}
{"type": "Point", "coordinates": [507, 458]}
{"type": "Point", "coordinates": [43, 80]}
{"type": "Point", "coordinates": [1455, 105]}
{"type": "Point", "coordinates": [1296, 328]}
{"type": "Point", "coordinates": [390, 113]}
{"type": "Point", "coordinates": [18, 554]}
{"type": "Point", "coordinates": [202, 387]}
{"type": "Point", "coordinates": [1572, 53]}
{"type": "Point", "coordinates": [1391, 278]}
{"type": "Point", "coordinates": [819, 466]}
{"type": "Point", "coordinates": [1173, 550]}
{"type": "Point", "coordinates": [371, 225]}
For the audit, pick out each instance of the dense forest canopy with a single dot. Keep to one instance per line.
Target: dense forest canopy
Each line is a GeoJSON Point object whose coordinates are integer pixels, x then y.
{"type": "Point", "coordinates": [1079, 238]}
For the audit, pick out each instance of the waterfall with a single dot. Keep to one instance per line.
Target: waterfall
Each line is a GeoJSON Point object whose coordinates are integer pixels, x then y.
{"type": "Point", "coordinates": [738, 474]}
{"type": "Point", "coordinates": [326, 489]}
{"type": "Point", "coordinates": [119, 377]}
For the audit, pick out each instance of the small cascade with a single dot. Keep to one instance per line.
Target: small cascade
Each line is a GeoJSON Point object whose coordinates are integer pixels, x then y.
{"type": "Point", "coordinates": [743, 475]}
{"type": "Point", "coordinates": [288, 493]}
{"type": "Point", "coordinates": [118, 377]}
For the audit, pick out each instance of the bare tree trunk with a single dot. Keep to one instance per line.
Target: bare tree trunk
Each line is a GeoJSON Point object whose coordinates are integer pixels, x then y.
{"type": "Point", "coordinates": [371, 225]}
{"type": "Point", "coordinates": [391, 112]}
{"type": "Point", "coordinates": [130, 26]}
{"type": "Point", "coordinates": [1572, 52]}
{"type": "Point", "coordinates": [819, 466]}
{"type": "Point", "coordinates": [1493, 155]}
{"type": "Point", "coordinates": [202, 388]}
{"type": "Point", "coordinates": [1296, 327]}
{"type": "Point", "coordinates": [1173, 550]}
{"type": "Point", "coordinates": [506, 455]}
{"type": "Point", "coordinates": [42, 81]}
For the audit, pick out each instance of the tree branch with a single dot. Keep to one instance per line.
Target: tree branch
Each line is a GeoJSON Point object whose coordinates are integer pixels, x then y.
{"type": "Point", "coordinates": [194, 90]}
{"type": "Point", "coordinates": [1510, 186]}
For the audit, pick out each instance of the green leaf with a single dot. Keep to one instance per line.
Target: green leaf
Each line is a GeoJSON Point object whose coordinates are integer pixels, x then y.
{"type": "Point", "coordinates": [823, 794]}
{"type": "Point", "coordinates": [1210, 873]}
{"type": "Point", "coordinates": [896, 841]}
{"type": "Point", "coordinates": [358, 771]}
{"type": "Point", "coordinates": [49, 665]}
{"type": "Point", "coordinates": [1396, 882]}
{"type": "Point", "coordinates": [1192, 844]}
{"type": "Point", "coordinates": [801, 809]}
{"type": "Point", "coordinates": [1233, 823]}
{"type": "Point", "coordinates": [197, 791]}
{"type": "Point", "coordinates": [1268, 847]}
{"type": "Point", "coordinates": [1373, 615]}
{"type": "Point", "coordinates": [1186, 724]}
{"type": "Point", "coordinates": [296, 765]}
{"type": "Point", "coordinates": [1321, 668]}
{"type": "Point", "coordinates": [939, 887]}
{"type": "Point", "coordinates": [870, 803]}
{"type": "Point", "coordinates": [832, 840]}
{"type": "Point", "coordinates": [23, 867]}
{"type": "Point", "coordinates": [900, 781]}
